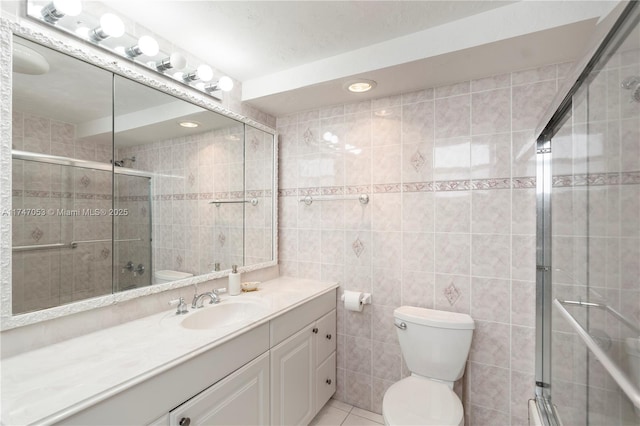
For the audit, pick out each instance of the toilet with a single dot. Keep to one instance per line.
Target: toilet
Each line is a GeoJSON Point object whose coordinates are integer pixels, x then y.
{"type": "Point", "coordinates": [435, 345]}
{"type": "Point", "coordinates": [167, 275]}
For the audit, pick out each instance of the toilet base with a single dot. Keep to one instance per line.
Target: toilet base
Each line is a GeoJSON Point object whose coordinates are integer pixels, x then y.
{"type": "Point", "coordinates": [421, 401]}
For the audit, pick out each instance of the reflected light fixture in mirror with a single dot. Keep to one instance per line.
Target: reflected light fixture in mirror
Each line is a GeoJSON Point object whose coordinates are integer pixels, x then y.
{"type": "Point", "coordinates": [189, 124]}
{"type": "Point", "coordinates": [82, 22]}
{"type": "Point", "coordinates": [360, 85]}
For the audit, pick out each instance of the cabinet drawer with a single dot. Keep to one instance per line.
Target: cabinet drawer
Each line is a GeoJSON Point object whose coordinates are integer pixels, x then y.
{"type": "Point", "coordinates": [291, 322]}
{"type": "Point", "coordinates": [326, 337]}
{"type": "Point", "coordinates": [325, 381]}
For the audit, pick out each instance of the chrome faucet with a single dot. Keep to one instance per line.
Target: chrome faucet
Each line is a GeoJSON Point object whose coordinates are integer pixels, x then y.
{"type": "Point", "coordinates": [212, 295]}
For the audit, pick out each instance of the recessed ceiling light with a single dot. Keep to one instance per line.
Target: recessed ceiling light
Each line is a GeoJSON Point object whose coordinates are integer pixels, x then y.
{"type": "Point", "coordinates": [360, 86]}
{"type": "Point", "coordinates": [189, 124]}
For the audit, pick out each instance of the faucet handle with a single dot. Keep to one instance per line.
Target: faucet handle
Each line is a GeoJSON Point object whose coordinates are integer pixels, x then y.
{"type": "Point", "coordinates": [220, 290]}
{"type": "Point", "coordinates": [182, 306]}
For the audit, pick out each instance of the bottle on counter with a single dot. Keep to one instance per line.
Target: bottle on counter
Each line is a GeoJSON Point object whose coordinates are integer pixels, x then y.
{"type": "Point", "coordinates": [234, 281]}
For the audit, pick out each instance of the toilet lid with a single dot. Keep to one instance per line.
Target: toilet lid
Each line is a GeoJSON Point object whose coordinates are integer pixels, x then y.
{"type": "Point", "coordinates": [419, 401]}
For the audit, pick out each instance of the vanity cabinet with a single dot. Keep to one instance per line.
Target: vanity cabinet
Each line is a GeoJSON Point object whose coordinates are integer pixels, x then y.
{"type": "Point", "coordinates": [276, 373]}
{"type": "Point", "coordinates": [242, 398]}
{"type": "Point", "coordinates": [303, 372]}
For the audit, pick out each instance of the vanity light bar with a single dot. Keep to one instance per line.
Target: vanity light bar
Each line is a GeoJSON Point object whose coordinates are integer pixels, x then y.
{"type": "Point", "coordinates": [142, 50]}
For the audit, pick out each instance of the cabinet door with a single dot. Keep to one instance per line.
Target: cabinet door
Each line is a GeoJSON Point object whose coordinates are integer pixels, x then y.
{"type": "Point", "coordinates": [292, 379]}
{"type": "Point", "coordinates": [325, 381]}
{"type": "Point", "coordinates": [326, 337]}
{"type": "Point", "coordinates": [242, 398]}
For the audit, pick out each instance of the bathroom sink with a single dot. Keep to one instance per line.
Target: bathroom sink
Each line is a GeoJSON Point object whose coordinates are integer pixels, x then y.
{"type": "Point", "coordinates": [225, 313]}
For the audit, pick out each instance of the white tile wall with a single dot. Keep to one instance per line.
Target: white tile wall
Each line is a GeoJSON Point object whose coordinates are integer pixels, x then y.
{"type": "Point", "coordinates": [450, 225]}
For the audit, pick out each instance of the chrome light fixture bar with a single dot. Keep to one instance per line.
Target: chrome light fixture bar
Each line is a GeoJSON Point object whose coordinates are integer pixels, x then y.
{"type": "Point", "coordinates": [58, 9]}
{"type": "Point", "coordinates": [108, 31]}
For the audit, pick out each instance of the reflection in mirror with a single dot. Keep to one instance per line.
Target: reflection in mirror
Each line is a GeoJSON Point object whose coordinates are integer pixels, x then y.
{"type": "Point", "coordinates": [192, 156]}
{"type": "Point", "coordinates": [118, 186]}
{"type": "Point", "coordinates": [62, 180]}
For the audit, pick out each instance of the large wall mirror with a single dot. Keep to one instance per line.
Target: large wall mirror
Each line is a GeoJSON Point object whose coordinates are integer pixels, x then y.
{"type": "Point", "coordinates": [118, 186]}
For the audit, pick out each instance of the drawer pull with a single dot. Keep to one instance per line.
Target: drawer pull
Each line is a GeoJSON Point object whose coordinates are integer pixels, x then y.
{"type": "Point", "coordinates": [328, 381]}
{"type": "Point", "coordinates": [328, 337]}
{"type": "Point", "coordinates": [185, 421]}
{"type": "Point", "coordinates": [315, 330]}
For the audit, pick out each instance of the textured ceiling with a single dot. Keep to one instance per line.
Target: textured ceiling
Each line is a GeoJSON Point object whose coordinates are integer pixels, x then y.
{"type": "Point", "coordinates": [248, 39]}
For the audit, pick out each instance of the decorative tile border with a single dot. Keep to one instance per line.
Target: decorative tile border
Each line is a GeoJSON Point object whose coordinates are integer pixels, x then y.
{"type": "Point", "coordinates": [386, 188]}
{"type": "Point", "coordinates": [597, 179]}
{"type": "Point", "coordinates": [499, 183]}
{"type": "Point", "coordinates": [626, 178]}
{"type": "Point", "coordinates": [452, 185]}
{"type": "Point", "coordinates": [523, 182]}
{"type": "Point", "coordinates": [417, 187]}
{"type": "Point", "coordinates": [56, 194]}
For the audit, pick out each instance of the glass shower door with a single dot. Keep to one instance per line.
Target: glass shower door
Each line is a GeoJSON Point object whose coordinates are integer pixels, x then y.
{"type": "Point", "coordinates": [594, 372]}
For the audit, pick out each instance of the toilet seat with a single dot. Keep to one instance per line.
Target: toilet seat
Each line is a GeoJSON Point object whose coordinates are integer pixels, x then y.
{"type": "Point", "coordinates": [420, 401]}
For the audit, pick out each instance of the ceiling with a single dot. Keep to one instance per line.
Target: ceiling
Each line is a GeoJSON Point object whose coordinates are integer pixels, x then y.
{"type": "Point", "coordinates": [296, 55]}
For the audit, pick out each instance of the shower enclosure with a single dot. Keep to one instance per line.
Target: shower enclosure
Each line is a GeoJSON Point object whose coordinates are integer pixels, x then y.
{"type": "Point", "coordinates": [588, 243]}
{"type": "Point", "coordinates": [64, 211]}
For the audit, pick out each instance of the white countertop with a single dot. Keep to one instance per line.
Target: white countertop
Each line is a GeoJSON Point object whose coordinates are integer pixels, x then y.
{"type": "Point", "coordinates": [54, 382]}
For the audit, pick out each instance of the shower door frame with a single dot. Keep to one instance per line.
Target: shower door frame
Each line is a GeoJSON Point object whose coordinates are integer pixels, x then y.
{"type": "Point", "coordinates": [605, 41]}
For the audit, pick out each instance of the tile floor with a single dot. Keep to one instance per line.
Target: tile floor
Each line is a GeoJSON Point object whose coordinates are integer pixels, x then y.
{"type": "Point", "coordinates": [336, 413]}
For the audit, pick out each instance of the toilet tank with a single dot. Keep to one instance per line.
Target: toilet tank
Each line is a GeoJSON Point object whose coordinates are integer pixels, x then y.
{"type": "Point", "coordinates": [434, 344]}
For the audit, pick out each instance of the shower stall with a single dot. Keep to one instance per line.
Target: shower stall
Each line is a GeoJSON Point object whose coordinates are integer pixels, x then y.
{"type": "Point", "coordinates": [80, 229]}
{"type": "Point", "coordinates": [588, 238]}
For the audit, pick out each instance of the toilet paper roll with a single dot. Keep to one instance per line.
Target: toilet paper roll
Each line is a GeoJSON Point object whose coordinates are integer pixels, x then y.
{"type": "Point", "coordinates": [352, 301]}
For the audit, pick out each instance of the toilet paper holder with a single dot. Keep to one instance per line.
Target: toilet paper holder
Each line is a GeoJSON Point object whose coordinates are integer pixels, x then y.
{"type": "Point", "coordinates": [364, 300]}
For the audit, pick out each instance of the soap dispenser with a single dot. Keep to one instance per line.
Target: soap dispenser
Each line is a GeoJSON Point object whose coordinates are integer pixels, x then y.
{"type": "Point", "coordinates": [234, 281]}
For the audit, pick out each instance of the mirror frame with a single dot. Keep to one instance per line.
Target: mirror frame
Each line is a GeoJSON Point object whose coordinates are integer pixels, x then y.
{"type": "Point", "coordinates": [119, 66]}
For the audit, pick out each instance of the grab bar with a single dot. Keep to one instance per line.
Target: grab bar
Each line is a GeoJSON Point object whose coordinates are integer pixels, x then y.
{"type": "Point", "coordinates": [308, 200]}
{"type": "Point", "coordinates": [71, 245]}
{"type": "Point", "coordinates": [618, 375]}
{"type": "Point", "coordinates": [253, 201]}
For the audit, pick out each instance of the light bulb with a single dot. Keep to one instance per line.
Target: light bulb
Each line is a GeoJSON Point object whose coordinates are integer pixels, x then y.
{"type": "Point", "coordinates": [225, 83]}
{"type": "Point", "coordinates": [203, 72]}
{"type": "Point", "coordinates": [110, 26]}
{"type": "Point", "coordinates": [83, 32]}
{"type": "Point", "coordinates": [175, 61]}
{"type": "Point", "coordinates": [59, 8]}
{"type": "Point", "coordinates": [146, 46]}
